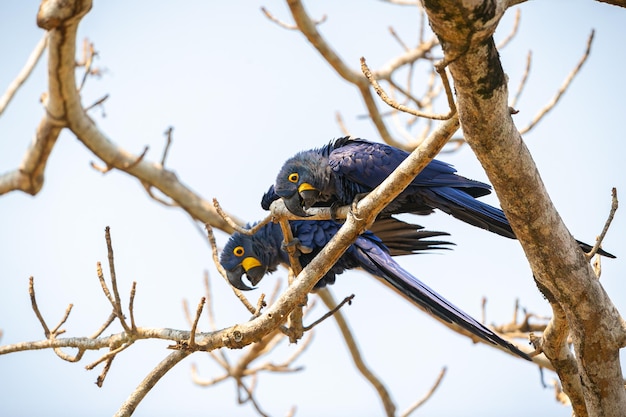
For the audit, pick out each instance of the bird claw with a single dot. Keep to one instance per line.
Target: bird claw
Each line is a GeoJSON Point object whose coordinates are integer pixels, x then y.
{"type": "Point", "coordinates": [295, 247]}
{"type": "Point", "coordinates": [354, 210]}
{"type": "Point", "coordinates": [333, 210]}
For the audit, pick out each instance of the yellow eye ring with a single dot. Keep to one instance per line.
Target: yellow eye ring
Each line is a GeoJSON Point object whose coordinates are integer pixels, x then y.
{"type": "Point", "coordinates": [238, 251]}
{"type": "Point", "coordinates": [293, 177]}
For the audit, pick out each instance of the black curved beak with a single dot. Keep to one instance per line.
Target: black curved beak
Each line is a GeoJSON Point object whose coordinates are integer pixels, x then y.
{"type": "Point", "coordinates": [309, 197]}
{"type": "Point", "coordinates": [294, 205]}
{"type": "Point", "coordinates": [235, 278]}
{"type": "Point", "coordinates": [254, 274]}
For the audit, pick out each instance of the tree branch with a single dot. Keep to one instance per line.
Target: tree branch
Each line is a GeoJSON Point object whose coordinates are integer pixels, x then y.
{"type": "Point", "coordinates": [563, 270]}
{"type": "Point", "coordinates": [64, 106]}
{"type": "Point", "coordinates": [23, 75]}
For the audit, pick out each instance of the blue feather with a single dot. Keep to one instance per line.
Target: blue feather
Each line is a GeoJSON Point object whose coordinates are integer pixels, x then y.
{"type": "Point", "coordinates": [368, 252]}
{"type": "Point", "coordinates": [341, 171]}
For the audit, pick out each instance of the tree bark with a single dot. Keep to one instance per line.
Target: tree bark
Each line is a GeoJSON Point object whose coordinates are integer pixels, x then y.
{"type": "Point", "coordinates": [465, 31]}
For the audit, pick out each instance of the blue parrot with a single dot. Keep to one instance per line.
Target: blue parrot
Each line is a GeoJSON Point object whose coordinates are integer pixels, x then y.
{"type": "Point", "coordinates": [345, 169]}
{"type": "Point", "coordinates": [261, 253]}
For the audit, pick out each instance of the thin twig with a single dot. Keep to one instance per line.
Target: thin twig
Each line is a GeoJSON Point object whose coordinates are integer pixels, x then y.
{"type": "Point", "coordinates": [131, 403]}
{"type": "Point", "coordinates": [97, 103]}
{"type": "Point", "coordinates": [384, 395]}
{"type": "Point", "coordinates": [89, 53]}
{"type": "Point", "coordinates": [131, 309]}
{"type": "Point", "coordinates": [381, 93]}
{"type": "Point", "coordinates": [607, 224]}
{"type": "Point", "coordinates": [105, 371]}
{"type": "Point", "coordinates": [109, 355]}
{"type": "Point", "coordinates": [56, 330]}
{"type": "Point", "coordinates": [234, 225]}
{"type": "Point", "coordinates": [428, 395]}
{"type": "Point", "coordinates": [563, 87]}
{"type": "Point", "coordinates": [342, 125]}
{"type": "Point", "coordinates": [330, 313]}
{"type": "Point", "coordinates": [117, 304]}
{"type": "Point", "coordinates": [23, 75]}
{"type": "Point", "coordinates": [222, 272]}
{"type": "Point", "coordinates": [33, 303]}
{"type": "Point", "coordinates": [397, 38]}
{"type": "Point", "coordinates": [287, 25]}
{"type": "Point", "coordinates": [295, 327]}
{"type": "Point", "coordinates": [192, 335]}
{"type": "Point", "coordinates": [522, 83]}
{"type": "Point", "coordinates": [504, 42]}
{"type": "Point", "coordinates": [104, 326]}
{"type": "Point", "coordinates": [168, 143]}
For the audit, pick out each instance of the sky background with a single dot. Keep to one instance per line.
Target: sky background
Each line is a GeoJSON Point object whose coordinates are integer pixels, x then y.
{"type": "Point", "coordinates": [243, 95]}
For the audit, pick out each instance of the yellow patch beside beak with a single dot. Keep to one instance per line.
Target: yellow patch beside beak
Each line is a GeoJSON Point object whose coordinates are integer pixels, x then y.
{"type": "Point", "coordinates": [249, 263]}
{"type": "Point", "coordinates": [305, 186]}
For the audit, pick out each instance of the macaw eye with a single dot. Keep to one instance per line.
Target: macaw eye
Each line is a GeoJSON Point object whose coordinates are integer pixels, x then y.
{"type": "Point", "coordinates": [238, 251]}
{"type": "Point", "coordinates": [293, 177]}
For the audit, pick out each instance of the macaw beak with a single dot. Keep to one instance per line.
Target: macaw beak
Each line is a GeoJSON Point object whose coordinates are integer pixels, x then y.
{"type": "Point", "coordinates": [305, 198]}
{"type": "Point", "coordinates": [234, 277]}
{"type": "Point", "coordinates": [309, 197]}
{"type": "Point", "coordinates": [294, 205]}
{"type": "Point", "coordinates": [252, 268]}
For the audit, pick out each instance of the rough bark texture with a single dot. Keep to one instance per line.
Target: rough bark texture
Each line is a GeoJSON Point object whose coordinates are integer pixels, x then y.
{"type": "Point", "coordinates": [465, 30]}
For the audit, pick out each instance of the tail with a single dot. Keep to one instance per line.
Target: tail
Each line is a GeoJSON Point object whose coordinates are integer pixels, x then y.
{"type": "Point", "coordinates": [466, 208]}
{"type": "Point", "coordinates": [382, 265]}
{"type": "Point", "coordinates": [403, 238]}
{"type": "Point", "coordinates": [469, 210]}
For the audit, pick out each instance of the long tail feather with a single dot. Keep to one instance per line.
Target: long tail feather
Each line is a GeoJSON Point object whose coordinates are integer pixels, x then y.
{"type": "Point", "coordinates": [382, 265]}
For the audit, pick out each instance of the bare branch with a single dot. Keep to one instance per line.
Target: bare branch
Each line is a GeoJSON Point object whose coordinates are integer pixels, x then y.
{"type": "Point", "coordinates": [131, 403]}
{"type": "Point", "coordinates": [194, 326]}
{"type": "Point", "coordinates": [222, 272]}
{"type": "Point", "coordinates": [427, 396]}
{"type": "Point", "coordinates": [131, 308]}
{"type": "Point", "coordinates": [607, 224]}
{"type": "Point", "coordinates": [342, 125]}
{"type": "Point", "coordinates": [64, 106]}
{"type": "Point", "coordinates": [287, 25]}
{"type": "Point", "coordinates": [308, 28]}
{"type": "Point", "coordinates": [401, 107]}
{"type": "Point", "coordinates": [117, 303]}
{"type": "Point", "coordinates": [33, 303]}
{"type": "Point", "coordinates": [23, 75]}
{"type": "Point", "coordinates": [522, 83]}
{"type": "Point", "coordinates": [330, 313]}
{"type": "Point", "coordinates": [562, 89]}
{"type": "Point", "coordinates": [234, 225]}
{"type": "Point", "coordinates": [29, 176]}
{"type": "Point", "coordinates": [563, 274]}
{"type": "Point", "coordinates": [383, 393]}
{"type": "Point", "coordinates": [98, 102]}
{"type": "Point", "coordinates": [504, 42]}
{"type": "Point", "coordinates": [168, 143]}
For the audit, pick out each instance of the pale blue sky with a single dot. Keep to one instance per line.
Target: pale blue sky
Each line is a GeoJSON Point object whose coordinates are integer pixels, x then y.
{"type": "Point", "coordinates": [243, 95]}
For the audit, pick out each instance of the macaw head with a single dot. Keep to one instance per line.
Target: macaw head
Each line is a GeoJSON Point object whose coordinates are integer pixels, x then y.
{"type": "Point", "coordinates": [245, 254]}
{"type": "Point", "coordinates": [302, 180]}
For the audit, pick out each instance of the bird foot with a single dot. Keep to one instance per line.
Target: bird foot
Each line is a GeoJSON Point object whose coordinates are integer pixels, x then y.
{"type": "Point", "coordinates": [354, 210]}
{"type": "Point", "coordinates": [295, 247]}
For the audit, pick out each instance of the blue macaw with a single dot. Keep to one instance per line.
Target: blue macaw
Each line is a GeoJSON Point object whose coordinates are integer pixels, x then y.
{"type": "Point", "coordinates": [337, 173]}
{"type": "Point", "coordinates": [261, 253]}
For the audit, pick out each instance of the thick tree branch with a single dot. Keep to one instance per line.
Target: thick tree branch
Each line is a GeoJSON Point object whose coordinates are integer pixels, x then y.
{"type": "Point", "coordinates": [64, 106]}
{"type": "Point", "coordinates": [466, 36]}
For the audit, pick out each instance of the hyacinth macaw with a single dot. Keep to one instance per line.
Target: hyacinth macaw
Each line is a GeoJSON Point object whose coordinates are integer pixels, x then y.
{"type": "Point", "coordinates": [337, 173]}
{"type": "Point", "coordinates": [261, 253]}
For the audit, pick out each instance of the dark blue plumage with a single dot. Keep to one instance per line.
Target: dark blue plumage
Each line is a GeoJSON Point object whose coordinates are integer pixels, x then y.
{"type": "Point", "coordinates": [262, 252]}
{"type": "Point", "coordinates": [339, 172]}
